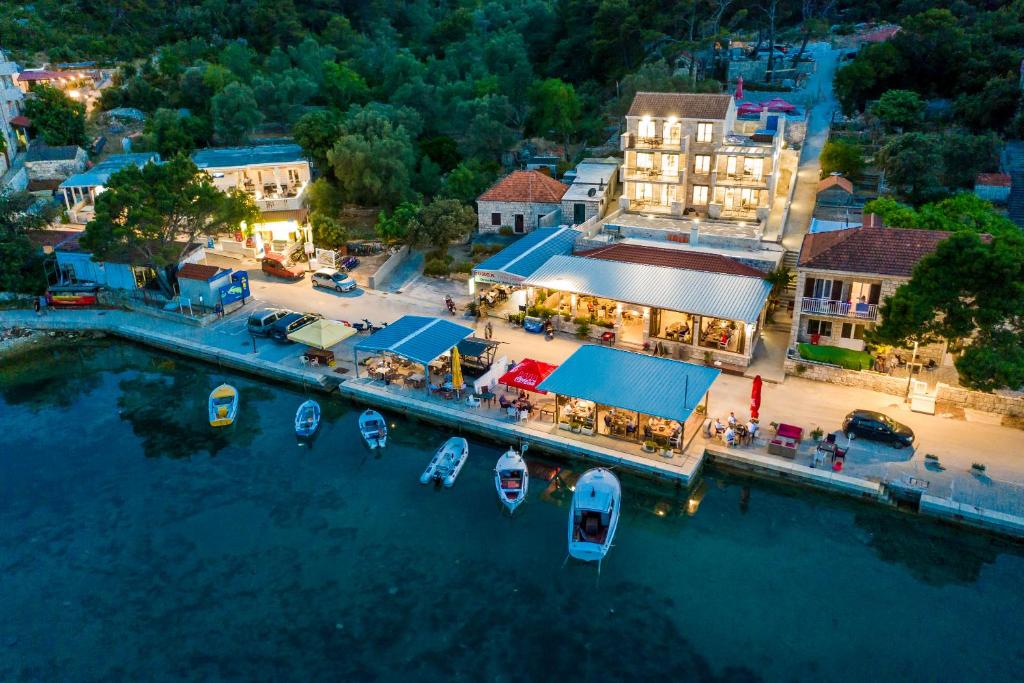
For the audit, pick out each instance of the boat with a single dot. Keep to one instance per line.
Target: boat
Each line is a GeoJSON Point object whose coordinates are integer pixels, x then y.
{"type": "Point", "coordinates": [223, 405]}
{"type": "Point", "coordinates": [512, 479]}
{"type": "Point", "coordinates": [373, 428]}
{"type": "Point", "coordinates": [447, 462]}
{"type": "Point", "coordinates": [307, 419]}
{"type": "Point", "coordinates": [594, 514]}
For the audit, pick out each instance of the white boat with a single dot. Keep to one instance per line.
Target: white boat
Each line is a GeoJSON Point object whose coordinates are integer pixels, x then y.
{"type": "Point", "coordinates": [512, 479]}
{"type": "Point", "coordinates": [373, 428]}
{"type": "Point", "coordinates": [447, 462]}
{"type": "Point", "coordinates": [223, 405]}
{"type": "Point", "coordinates": [307, 419]}
{"type": "Point", "coordinates": [594, 514]}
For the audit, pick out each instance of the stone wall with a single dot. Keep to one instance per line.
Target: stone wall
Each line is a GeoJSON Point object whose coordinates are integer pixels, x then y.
{"type": "Point", "coordinates": [508, 210]}
{"type": "Point", "coordinates": [1002, 404]}
{"type": "Point", "coordinates": [57, 168]}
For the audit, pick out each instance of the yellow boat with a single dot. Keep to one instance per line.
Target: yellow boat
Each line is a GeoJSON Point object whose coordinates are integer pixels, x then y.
{"type": "Point", "coordinates": [223, 405]}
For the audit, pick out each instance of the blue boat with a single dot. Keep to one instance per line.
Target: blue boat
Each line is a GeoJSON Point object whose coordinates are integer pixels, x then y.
{"type": "Point", "coordinates": [307, 419]}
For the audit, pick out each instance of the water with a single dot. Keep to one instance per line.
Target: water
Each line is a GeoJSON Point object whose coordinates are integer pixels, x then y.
{"type": "Point", "coordinates": [135, 544]}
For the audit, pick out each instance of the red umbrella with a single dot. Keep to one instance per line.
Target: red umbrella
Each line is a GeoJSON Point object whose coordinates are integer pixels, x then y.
{"type": "Point", "coordinates": [755, 397]}
{"type": "Point", "coordinates": [778, 104]}
{"type": "Point", "coordinates": [739, 88]}
{"type": "Point", "coordinates": [749, 108]}
{"type": "Point", "coordinates": [527, 374]}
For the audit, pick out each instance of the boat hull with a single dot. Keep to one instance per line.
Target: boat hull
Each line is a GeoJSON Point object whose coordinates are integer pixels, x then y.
{"type": "Point", "coordinates": [222, 406]}
{"type": "Point", "coordinates": [447, 462]}
{"type": "Point", "coordinates": [374, 429]}
{"type": "Point", "coordinates": [307, 419]}
{"type": "Point", "coordinates": [599, 495]}
{"type": "Point", "coordinates": [511, 480]}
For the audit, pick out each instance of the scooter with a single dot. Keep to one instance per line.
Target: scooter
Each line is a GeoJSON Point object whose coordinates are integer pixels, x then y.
{"type": "Point", "coordinates": [549, 331]}
{"type": "Point", "coordinates": [450, 304]}
{"type": "Point", "coordinates": [367, 326]}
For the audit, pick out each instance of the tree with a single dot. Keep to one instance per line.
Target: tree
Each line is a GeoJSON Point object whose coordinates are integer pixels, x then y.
{"type": "Point", "coordinates": [556, 108]}
{"type": "Point", "coordinates": [373, 160]}
{"type": "Point", "coordinates": [343, 86]}
{"type": "Point", "coordinates": [899, 109]}
{"type": "Point", "coordinates": [468, 180]}
{"type": "Point", "coordinates": [58, 118]}
{"type": "Point", "coordinates": [168, 133]}
{"type": "Point", "coordinates": [962, 212]}
{"type": "Point", "coordinates": [893, 213]}
{"type": "Point", "coordinates": [151, 215]}
{"type": "Point", "coordinates": [991, 109]}
{"type": "Point", "coordinates": [283, 95]}
{"type": "Point", "coordinates": [21, 262]}
{"type": "Point", "coordinates": [328, 232]}
{"type": "Point", "coordinates": [440, 223]}
{"type": "Point", "coordinates": [842, 156]}
{"type": "Point", "coordinates": [235, 113]}
{"type": "Point", "coordinates": [964, 156]}
{"type": "Point", "coordinates": [970, 294]}
{"type": "Point", "coordinates": [487, 127]}
{"type": "Point", "coordinates": [316, 132]}
{"type": "Point", "coordinates": [913, 166]}
{"type": "Point", "coordinates": [396, 225]}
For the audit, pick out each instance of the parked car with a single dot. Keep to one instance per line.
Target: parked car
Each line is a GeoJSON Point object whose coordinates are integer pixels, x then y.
{"type": "Point", "coordinates": [261, 321]}
{"type": "Point", "coordinates": [281, 266]}
{"type": "Point", "coordinates": [878, 427]}
{"type": "Point", "coordinates": [347, 263]}
{"type": "Point", "coordinates": [280, 330]}
{"type": "Point", "coordinates": [333, 279]}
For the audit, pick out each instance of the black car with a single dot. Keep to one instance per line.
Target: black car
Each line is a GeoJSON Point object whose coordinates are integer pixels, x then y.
{"type": "Point", "coordinates": [280, 330]}
{"type": "Point", "coordinates": [878, 427]}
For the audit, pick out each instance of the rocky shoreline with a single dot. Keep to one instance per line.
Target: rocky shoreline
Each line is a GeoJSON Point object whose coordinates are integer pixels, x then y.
{"type": "Point", "coordinates": [16, 339]}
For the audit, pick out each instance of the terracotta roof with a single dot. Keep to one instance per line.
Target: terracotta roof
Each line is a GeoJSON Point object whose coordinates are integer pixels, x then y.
{"type": "Point", "coordinates": [834, 181]}
{"type": "Point", "coordinates": [993, 179]}
{"type": "Point", "coordinates": [21, 122]}
{"type": "Point", "coordinates": [672, 258]}
{"type": "Point", "coordinates": [879, 36]}
{"type": "Point", "coordinates": [197, 271]}
{"type": "Point", "coordinates": [525, 186]}
{"type": "Point", "coordinates": [681, 105]}
{"type": "Point", "coordinates": [882, 251]}
{"type": "Point", "coordinates": [42, 75]}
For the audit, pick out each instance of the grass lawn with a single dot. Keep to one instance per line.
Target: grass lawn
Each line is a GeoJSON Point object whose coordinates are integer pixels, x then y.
{"type": "Point", "coordinates": [847, 358]}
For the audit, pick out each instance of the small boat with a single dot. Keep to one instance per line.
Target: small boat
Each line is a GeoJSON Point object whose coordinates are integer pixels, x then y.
{"type": "Point", "coordinates": [373, 428]}
{"type": "Point", "coordinates": [512, 479]}
{"type": "Point", "coordinates": [594, 514]}
{"type": "Point", "coordinates": [223, 405]}
{"type": "Point", "coordinates": [447, 462]}
{"type": "Point", "coordinates": [307, 419]}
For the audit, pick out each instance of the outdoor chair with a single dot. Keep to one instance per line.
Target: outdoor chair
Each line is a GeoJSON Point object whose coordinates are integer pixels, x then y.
{"type": "Point", "coordinates": [472, 401]}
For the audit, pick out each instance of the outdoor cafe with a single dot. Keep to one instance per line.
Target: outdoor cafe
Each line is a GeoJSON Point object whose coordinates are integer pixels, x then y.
{"type": "Point", "coordinates": [659, 403]}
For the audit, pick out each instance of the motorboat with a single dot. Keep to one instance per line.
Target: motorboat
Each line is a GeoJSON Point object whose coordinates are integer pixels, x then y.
{"type": "Point", "coordinates": [373, 428]}
{"type": "Point", "coordinates": [511, 479]}
{"type": "Point", "coordinates": [223, 405]}
{"type": "Point", "coordinates": [307, 419]}
{"type": "Point", "coordinates": [594, 514]}
{"type": "Point", "coordinates": [447, 462]}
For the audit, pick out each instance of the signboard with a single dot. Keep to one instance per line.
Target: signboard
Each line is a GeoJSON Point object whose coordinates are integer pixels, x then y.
{"type": "Point", "coordinates": [498, 277]}
{"type": "Point", "coordinates": [326, 258]}
{"type": "Point", "coordinates": [238, 290]}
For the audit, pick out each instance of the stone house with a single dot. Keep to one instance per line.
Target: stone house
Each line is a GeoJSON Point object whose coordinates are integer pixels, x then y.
{"type": "Point", "coordinates": [54, 163]}
{"type": "Point", "coordinates": [843, 276]}
{"type": "Point", "coordinates": [519, 201]}
{"type": "Point", "coordinates": [594, 185]}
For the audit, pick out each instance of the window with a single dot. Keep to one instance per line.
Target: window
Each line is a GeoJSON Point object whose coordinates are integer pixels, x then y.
{"type": "Point", "coordinates": [644, 191]}
{"type": "Point", "coordinates": [671, 133]}
{"type": "Point", "coordinates": [644, 160]}
{"type": "Point", "coordinates": [670, 164]}
{"type": "Point", "coordinates": [700, 194]}
{"type": "Point", "coordinates": [852, 331]}
{"type": "Point", "coordinates": [645, 129]}
{"type": "Point", "coordinates": [704, 132]}
{"type": "Point", "coordinates": [753, 167]}
{"type": "Point", "coordinates": [822, 327]}
{"type": "Point", "coordinates": [730, 165]}
{"type": "Point", "coordinates": [702, 164]}
{"type": "Point", "coordinates": [495, 219]}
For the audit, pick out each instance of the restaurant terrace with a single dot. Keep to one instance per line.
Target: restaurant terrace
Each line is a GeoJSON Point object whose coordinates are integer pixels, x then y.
{"type": "Point", "coordinates": [410, 341]}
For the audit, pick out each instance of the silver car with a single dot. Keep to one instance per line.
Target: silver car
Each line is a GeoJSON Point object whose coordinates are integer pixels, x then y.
{"type": "Point", "coordinates": [333, 279]}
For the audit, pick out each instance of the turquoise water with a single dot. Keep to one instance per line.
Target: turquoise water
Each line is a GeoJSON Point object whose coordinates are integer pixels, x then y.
{"type": "Point", "coordinates": [137, 544]}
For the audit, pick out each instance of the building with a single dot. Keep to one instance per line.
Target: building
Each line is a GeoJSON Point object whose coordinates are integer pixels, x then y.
{"type": "Point", "coordinates": [521, 201]}
{"type": "Point", "coordinates": [54, 163]}
{"type": "Point", "coordinates": [276, 176]}
{"type": "Point", "coordinates": [80, 190]}
{"type": "Point", "coordinates": [200, 285]}
{"type": "Point", "coordinates": [12, 123]}
{"type": "Point", "coordinates": [993, 187]}
{"type": "Point", "coordinates": [844, 275]}
{"type": "Point", "coordinates": [594, 187]}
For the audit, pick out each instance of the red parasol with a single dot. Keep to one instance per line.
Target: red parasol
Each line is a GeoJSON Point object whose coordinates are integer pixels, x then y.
{"type": "Point", "coordinates": [779, 105]}
{"type": "Point", "coordinates": [749, 108]}
{"type": "Point", "coordinates": [755, 397]}
{"type": "Point", "coordinates": [739, 89]}
{"type": "Point", "coordinates": [527, 374]}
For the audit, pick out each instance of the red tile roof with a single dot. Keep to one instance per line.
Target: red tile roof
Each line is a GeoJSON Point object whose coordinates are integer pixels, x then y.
{"type": "Point", "coordinates": [42, 75]}
{"type": "Point", "coordinates": [197, 271]}
{"type": "Point", "coordinates": [525, 186]}
{"type": "Point", "coordinates": [21, 122]}
{"type": "Point", "coordinates": [993, 179]}
{"type": "Point", "coordinates": [672, 258]}
{"type": "Point", "coordinates": [881, 251]}
{"type": "Point", "coordinates": [681, 105]}
{"type": "Point", "coordinates": [834, 181]}
{"type": "Point", "coordinates": [879, 36]}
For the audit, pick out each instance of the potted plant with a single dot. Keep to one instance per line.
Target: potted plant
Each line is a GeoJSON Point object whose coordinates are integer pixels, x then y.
{"type": "Point", "coordinates": [582, 329]}
{"type": "Point", "coordinates": [587, 427]}
{"type": "Point", "coordinates": [575, 426]}
{"type": "Point", "coordinates": [817, 433]}
{"type": "Point", "coordinates": [978, 467]}
{"type": "Point", "coordinates": [701, 409]}
{"type": "Point", "coordinates": [649, 446]}
{"type": "Point", "coordinates": [662, 444]}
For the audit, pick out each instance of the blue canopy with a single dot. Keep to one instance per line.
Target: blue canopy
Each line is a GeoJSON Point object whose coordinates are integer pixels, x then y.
{"type": "Point", "coordinates": [650, 385]}
{"type": "Point", "coordinates": [416, 337]}
{"type": "Point", "coordinates": [519, 259]}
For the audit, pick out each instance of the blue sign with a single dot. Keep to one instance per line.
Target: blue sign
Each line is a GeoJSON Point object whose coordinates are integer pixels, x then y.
{"type": "Point", "coordinates": [238, 290]}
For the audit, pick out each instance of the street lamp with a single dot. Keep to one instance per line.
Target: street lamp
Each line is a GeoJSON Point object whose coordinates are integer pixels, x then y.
{"type": "Point", "coordinates": [910, 372]}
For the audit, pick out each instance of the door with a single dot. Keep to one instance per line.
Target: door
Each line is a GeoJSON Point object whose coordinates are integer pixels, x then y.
{"type": "Point", "coordinates": [520, 223]}
{"type": "Point", "coordinates": [579, 213]}
{"type": "Point", "coordinates": [730, 165]}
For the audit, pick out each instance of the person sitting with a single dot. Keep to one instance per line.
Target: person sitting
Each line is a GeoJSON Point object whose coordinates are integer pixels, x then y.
{"type": "Point", "coordinates": [732, 419]}
{"type": "Point", "coordinates": [730, 437]}
{"type": "Point", "coordinates": [718, 426]}
{"type": "Point", "coordinates": [648, 434]}
{"type": "Point", "coordinates": [607, 421]}
{"type": "Point", "coordinates": [630, 428]}
{"type": "Point", "coordinates": [503, 402]}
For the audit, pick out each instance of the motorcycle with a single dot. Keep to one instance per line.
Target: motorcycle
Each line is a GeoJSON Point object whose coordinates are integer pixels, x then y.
{"type": "Point", "coordinates": [450, 304]}
{"type": "Point", "coordinates": [367, 326]}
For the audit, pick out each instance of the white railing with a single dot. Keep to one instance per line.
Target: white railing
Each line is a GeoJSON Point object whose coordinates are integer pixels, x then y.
{"type": "Point", "coordinates": [839, 309]}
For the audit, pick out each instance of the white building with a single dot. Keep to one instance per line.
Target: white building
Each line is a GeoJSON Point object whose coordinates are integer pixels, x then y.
{"type": "Point", "coordinates": [11, 98]}
{"type": "Point", "coordinates": [80, 190]}
{"type": "Point", "coordinates": [594, 185]}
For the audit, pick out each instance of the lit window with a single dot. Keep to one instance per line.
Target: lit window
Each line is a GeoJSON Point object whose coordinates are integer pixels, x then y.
{"type": "Point", "coordinates": [700, 194]}
{"type": "Point", "coordinates": [702, 164]}
{"type": "Point", "coordinates": [646, 128]}
{"type": "Point", "coordinates": [704, 132]}
{"type": "Point", "coordinates": [644, 160]}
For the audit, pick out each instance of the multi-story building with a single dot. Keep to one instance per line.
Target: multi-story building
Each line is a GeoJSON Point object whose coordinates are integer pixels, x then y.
{"type": "Point", "coordinates": [10, 109]}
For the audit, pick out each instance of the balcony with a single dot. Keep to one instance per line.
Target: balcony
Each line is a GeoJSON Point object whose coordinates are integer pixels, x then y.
{"type": "Point", "coordinates": [633, 141]}
{"type": "Point", "coordinates": [288, 198]}
{"type": "Point", "coordinates": [739, 179]}
{"type": "Point", "coordinates": [839, 309]}
{"type": "Point", "coordinates": [652, 175]}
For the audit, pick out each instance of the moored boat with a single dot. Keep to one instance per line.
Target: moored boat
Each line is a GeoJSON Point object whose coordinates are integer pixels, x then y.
{"type": "Point", "coordinates": [223, 406]}
{"type": "Point", "coordinates": [373, 428]}
{"type": "Point", "coordinates": [511, 479]}
{"type": "Point", "coordinates": [594, 514]}
{"type": "Point", "coordinates": [307, 419]}
{"type": "Point", "coordinates": [447, 462]}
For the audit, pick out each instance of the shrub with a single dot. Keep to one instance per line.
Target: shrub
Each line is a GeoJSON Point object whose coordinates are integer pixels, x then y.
{"type": "Point", "coordinates": [516, 318]}
{"type": "Point", "coordinates": [435, 267]}
{"type": "Point", "coordinates": [846, 358]}
{"type": "Point", "coordinates": [505, 230]}
{"type": "Point", "coordinates": [463, 267]}
{"type": "Point", "coordinates": [439, 255]}
{"type": "Point", "coordinates": [542, 312]}
{"type": "Point", "coordinates": [582, 329]}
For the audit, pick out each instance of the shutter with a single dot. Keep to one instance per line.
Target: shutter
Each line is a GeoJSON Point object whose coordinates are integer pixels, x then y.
{"type": "Point", "coordinates": [875, 294]}
{"type": "Point", "coordinates": [837, 290]}
{"type": "Point", "coordinates": [809, 287]}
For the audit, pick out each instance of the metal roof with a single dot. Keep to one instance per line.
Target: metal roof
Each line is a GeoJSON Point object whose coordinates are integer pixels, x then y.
{"type": "Point", "coordinates": [101, 172]}
{"type": "Point", "coordinates": [231, 157]}
{"type": "Point", "coordinates": [650, 385]}
{"type": "Point", "coordinates": [416, 337]}
{"type": "Point", "coordinates": [521, 258]}
{"type": "Point", "coordinates": [731, 297]}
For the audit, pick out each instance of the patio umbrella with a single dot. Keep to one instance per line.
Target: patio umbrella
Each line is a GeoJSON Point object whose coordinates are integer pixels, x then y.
{"type": "Point", "coordinates": [778, 104]}
{"type": "Point", "coordinates": [456, 370]}
{"type": "Point", "coordinates": [739, 88]}
{"type": "Point", "coordinates": [527, 374]}
{"type": "Point", "coordinates": [749, 108]}
{"type": "Point", "coordinates": [322, 334]}
{"type": "Point", "coordinates": [755, 397]}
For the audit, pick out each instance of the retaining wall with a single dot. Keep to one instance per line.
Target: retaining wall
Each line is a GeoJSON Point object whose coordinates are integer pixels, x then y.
{"type": "Point", "coordinates": [377, 280]}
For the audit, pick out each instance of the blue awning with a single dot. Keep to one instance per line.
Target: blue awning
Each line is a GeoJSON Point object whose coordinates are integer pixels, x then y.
{"type": "Point", "coordinates": [521, 258]}
{"type": "Point", "coordinates": [650, 385]}
{"type": "Point", "coordinates": [100, 173]}
{"type": "Point", "coordinates": [416, 337]}
{"type": "Point", "coordinates": [231, 157]}
{"type": "Point", "coordinates": [730, 297]}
